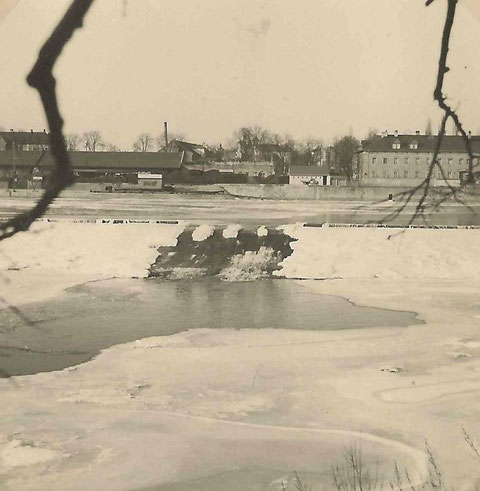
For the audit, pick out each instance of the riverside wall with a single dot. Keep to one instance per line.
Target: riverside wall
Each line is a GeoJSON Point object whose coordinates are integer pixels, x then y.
{"type": "Point", "coordinates": [333, 193]}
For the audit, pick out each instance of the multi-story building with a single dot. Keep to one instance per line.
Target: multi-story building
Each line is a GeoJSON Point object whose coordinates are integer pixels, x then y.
{"type": "Point", "coordinates": [27, 141]}
{"type": "Point", "coordinates": [404, 160]}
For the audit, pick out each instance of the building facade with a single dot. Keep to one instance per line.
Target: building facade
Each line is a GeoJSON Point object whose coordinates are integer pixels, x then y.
{"type": "Point", "coordinates": [257, 169]}
{"type": "Point", "coordinates": [26, 167]}
{"type": "Point", "coordinates": [301, 175]}
{"type": "Point", "coordinates": [25, 141]}
{"type": "Point", "coordinates": [147, 180]}
{"type": "Point", "coordinates": [404, 160]}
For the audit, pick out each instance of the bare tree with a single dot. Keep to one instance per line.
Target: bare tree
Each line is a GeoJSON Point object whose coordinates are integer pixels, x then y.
{"type": "Point", "coordinates": [344, 150]}
{"type": "Point", "coordinates": [309, 151]}
{"type": "Point", "coordinates": [92, 140]}
{"type": "Point", "coordinates": [144, 143]}
{"type": "Point", "coordinates": [72, 141]}
{"type": "Point", "coordinates": [110, 147]}
{"type": "Point", "coordinates": [250, 137]}
{"type": "Point", "coordinates": [173, 136]}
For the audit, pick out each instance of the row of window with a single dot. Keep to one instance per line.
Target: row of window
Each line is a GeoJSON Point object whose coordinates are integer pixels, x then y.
{"type": "Point", "coordinates": [32, 147]}
{"type": "Point", "coordinates": [449, 161]}
{"type": "Point", "coordinates": [417, 174]}
{"type": "Point", "coordinates": [396, 145]}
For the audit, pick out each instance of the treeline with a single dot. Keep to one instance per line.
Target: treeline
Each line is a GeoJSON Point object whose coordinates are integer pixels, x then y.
{"type": "Point", "coordinates": [93, 141]}
{"type": "Point", "coordinates": [248, 143]}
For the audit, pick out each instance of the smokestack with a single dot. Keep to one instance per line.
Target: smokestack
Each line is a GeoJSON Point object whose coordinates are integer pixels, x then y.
{"type": "Point", "coordinates": [417, 132]}
{"type": "Point", "coordinates": [165, 125]}
{"type": "Point", "coordinates": [469, 134]}
{"type": "Point", "coordinates": [395, 133]}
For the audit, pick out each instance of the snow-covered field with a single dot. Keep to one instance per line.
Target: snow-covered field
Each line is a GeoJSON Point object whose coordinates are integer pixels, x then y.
{"type": "Point", "coordinates": [202, 406]}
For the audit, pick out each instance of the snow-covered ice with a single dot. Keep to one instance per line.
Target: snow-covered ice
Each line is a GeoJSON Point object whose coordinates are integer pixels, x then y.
{"type": "Point", "coordinates": [203, 232]}
{"type": "Point", "coordinates": [262, 231]}
{"type": "Point", "coordinates": [40, 264]}
{"type": "Point", "coordinates": [231, 232]}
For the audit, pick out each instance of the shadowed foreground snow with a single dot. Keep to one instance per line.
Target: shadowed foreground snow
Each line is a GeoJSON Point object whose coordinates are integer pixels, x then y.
{"type": "Point", "coordinates": [212, 404]}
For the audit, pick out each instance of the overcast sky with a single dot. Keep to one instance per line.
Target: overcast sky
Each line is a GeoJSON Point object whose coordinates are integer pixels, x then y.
{"type": "Point", "coordinates": [309, 68]}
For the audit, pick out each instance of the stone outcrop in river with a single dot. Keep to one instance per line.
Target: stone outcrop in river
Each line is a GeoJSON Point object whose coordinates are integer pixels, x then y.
{"type": "Point", "coordinates": [242, 255]}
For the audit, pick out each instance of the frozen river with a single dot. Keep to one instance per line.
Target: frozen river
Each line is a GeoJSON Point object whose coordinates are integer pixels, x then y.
{"type": "Point", "coordinates": [217, 209]}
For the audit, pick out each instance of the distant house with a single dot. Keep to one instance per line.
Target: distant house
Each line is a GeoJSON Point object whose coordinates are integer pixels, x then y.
{"type": "Point", "coordinates": [20, 168]}
{"type": "Point", "coordinates": [147, 180]}
{"type": "Point", "coordinates": [31, 166]}
{"type": "Point", "coordinates": [309, 175]}
{"type": "Point", "coordinates": [125, 162]}
{"type": "Point", "coordinates": [405, 159]}
{"type": "Point", "coordinates": [26, 141]}
{"type": "Point", "coordinates": [194, 152]}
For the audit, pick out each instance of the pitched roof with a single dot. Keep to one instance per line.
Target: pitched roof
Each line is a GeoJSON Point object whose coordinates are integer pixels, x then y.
{"type": "Point", "coordinates": [196, 148]}
{"type": "Point", "coordinates": [126, 160]}
{"type": "Point", "coordinates": [309, 170]}
{"type": "Point", "coordinates": [189, 145]}
{"type": "Point", "coordinates": [26, 137]}
{"type": "Point", "coordinates": [450, 143]}
{"type": "Point", "coordinates": [115, 161]}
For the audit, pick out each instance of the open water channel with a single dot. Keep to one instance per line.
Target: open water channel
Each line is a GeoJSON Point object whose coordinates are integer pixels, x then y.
{"type": "Point", "coordinates": [76, 326]}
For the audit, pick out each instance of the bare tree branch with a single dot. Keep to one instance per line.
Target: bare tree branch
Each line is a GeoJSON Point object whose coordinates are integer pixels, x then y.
{"type": "Point", "coordinates": [41, 78]}
{"type": "Point", "coordinates": [442, 70]}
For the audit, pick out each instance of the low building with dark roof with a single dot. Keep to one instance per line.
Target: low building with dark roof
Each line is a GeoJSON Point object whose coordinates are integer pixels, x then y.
{"type": "Point", "coordinates": [404, 159]}
{"type": "Point", "coordinates": [117, 162]}
{"type": "Point", "coordinates": [90, 166]}
{"type": "Point", "coordinates": [309, 175]}
{"type": "Point", "coordinates": [25, 141]}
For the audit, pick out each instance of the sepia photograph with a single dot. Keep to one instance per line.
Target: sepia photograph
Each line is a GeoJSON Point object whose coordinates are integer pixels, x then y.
{"type": "Point", "coordinates": [240, 245]}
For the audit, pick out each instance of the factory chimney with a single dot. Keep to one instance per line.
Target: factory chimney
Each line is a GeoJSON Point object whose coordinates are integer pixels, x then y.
{"type": "Point", "coordinates": [165, 125]}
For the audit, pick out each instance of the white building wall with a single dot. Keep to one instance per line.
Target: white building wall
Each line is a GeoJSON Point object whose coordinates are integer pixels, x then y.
{"type": "Point", "coordinates": [304, 180]}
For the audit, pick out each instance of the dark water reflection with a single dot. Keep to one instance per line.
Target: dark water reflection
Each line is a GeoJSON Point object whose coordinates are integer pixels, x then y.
{"type": "Point", "coordinates": [76, 326]}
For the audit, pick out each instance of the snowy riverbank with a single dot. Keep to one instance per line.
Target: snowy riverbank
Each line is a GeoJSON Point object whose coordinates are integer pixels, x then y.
{"type": "Point", "coordinates": [42, 263]}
